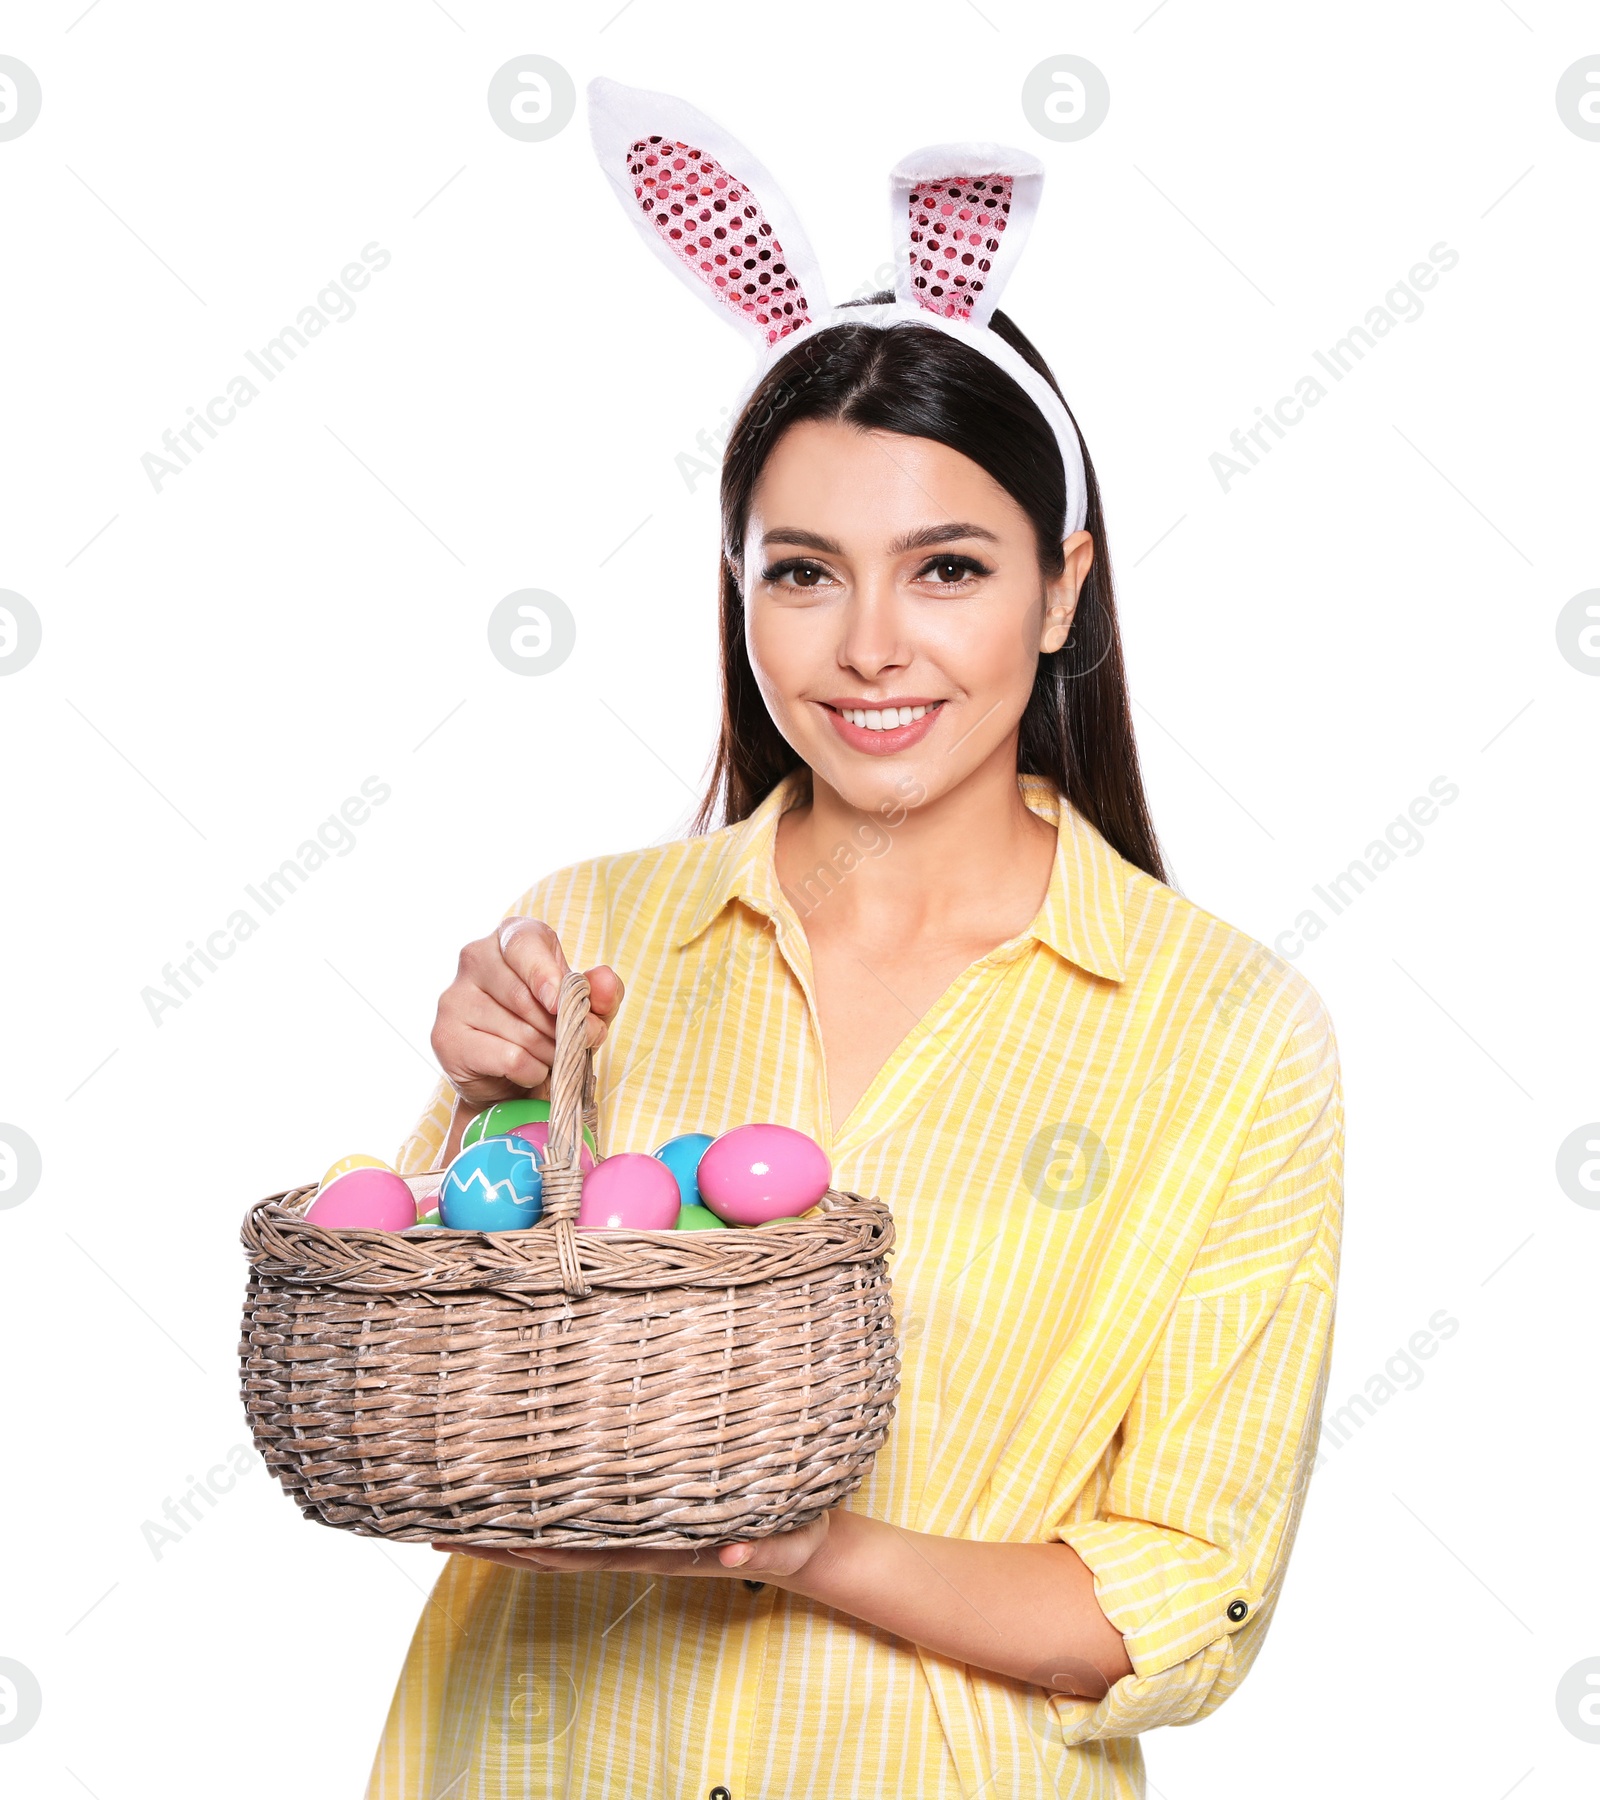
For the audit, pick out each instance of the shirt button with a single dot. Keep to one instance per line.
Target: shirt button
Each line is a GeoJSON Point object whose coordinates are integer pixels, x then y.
{"type": "Point", "coordinates": [719, 1792]}
{"type": "Point", "coordinates": [755, 1587]}
{"type": "Point", "coordinates": [1237, 1610]}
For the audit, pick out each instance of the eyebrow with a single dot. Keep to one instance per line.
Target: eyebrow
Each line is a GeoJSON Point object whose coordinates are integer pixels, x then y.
{"type": "Point", "coordinates": [911, 540]}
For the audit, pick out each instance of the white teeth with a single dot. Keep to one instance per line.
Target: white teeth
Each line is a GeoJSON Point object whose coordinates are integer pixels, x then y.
{"type": "Point", "coordinates": [884, 718]}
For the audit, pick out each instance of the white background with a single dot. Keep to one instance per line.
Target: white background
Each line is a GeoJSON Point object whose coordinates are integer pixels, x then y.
{"type": "Point", "coordinates": [225, 660]}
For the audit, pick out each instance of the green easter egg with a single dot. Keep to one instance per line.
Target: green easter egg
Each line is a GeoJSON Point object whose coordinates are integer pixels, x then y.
{"type": "Point", "coordinates": [699, 1218]}
{"type": "Point", "coordinates": [507, 1115]}
{"type": "Point", "coordinates": [504, 1116]}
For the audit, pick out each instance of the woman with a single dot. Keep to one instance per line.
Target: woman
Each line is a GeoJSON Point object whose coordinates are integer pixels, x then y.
{"type": "Point", "coordinates": [1109, 1126]}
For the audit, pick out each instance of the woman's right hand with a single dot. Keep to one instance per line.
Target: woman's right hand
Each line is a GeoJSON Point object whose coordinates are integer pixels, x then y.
{"type": "Point", "coordinates": [494, 1034]}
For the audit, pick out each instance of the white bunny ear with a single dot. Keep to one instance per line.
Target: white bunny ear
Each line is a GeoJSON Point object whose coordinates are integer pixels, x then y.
{"type": "Point", "coordinates": [960, 215]}
{"type": "Point", "coordinates": [708, 209]}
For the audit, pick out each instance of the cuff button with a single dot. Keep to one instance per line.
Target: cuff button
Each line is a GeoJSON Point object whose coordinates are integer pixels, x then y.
{"type": "Point", "coordinates": [1237, 1610]}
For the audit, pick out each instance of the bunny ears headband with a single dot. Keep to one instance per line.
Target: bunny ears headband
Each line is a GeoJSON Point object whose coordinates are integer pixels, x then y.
{"type": "Point", "coordinates": [959, 217]}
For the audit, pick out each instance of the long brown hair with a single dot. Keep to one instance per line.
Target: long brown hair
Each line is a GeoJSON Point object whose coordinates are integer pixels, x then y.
{"type": "Point", "coordinates": [1077, 728]}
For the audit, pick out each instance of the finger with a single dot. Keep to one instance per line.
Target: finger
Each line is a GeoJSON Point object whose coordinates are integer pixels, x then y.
{"type": "Point", "coordinates": [476, 1055]}
{"type": "Point", "coordinates": [533, 952]}
{"type": "Point", "coordinates": [478, 1011]}
{"type": "Point", "coordinates": [484, 967]}
{"type": "Point", "coordinates": [605, 992]}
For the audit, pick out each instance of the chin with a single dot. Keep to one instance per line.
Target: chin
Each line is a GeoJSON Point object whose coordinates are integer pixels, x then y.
{"type": "Point", "coordinates": [879, 788]}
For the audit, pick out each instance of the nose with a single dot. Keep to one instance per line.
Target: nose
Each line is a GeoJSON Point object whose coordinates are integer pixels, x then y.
{"type": "Point", "coordinates": [875, 627]}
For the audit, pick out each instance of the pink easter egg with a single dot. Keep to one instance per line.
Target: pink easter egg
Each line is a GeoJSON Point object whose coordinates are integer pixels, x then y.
{"type": "Point", "coordinates": [759, 1172]}
{"type": "Point", "coordinates": [538, 1134]}
{"type": "Point", "coordinates": [365, 1200]}
{"type": "Point", "coordinates": [629, 1192]}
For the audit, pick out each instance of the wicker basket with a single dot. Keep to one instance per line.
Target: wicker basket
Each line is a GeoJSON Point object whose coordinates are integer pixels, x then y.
{"type": "Point", "coordinates": [675, 1388]}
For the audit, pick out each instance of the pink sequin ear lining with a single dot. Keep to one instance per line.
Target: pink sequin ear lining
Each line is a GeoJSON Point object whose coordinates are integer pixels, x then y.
{"type": "Point", "coordinates": [956, 223]}
{"type": "Point", "coordinates": [716, 225]}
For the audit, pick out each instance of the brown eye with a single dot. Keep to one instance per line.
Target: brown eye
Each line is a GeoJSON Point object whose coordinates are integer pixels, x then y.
{"type": "Point", "coordinates": [950, 571]}
{"type": "Point", "coordinates": [806, 574]}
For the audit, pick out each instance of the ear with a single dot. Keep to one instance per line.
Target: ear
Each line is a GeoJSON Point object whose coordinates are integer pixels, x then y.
{"type": "Point", "coordinates": [1057, 626]}
{"type": "Point", "coordinates": [708, 209]}
{"type": "Point", "coordinates": [960, 215]}
{"type": "Point", "coordinates": [1061, 594]}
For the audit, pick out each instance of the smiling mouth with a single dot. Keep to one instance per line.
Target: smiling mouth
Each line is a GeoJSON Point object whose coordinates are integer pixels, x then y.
{"type": "Point", "coordinates": [883, 718]}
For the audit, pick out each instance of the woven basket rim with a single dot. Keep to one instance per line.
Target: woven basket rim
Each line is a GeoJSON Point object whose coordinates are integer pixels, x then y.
{"type": "Point", "coordinates": [283, 1246]}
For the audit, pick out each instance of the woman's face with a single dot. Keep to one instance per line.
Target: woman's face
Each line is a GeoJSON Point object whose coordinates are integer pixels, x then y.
{"type": "Point", "coordinates": [892, 575]}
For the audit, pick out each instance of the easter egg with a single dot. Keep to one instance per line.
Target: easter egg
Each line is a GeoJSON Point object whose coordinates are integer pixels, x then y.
{"type": "Point", "coordinates": [503, 1117]}
{"type": "Point", "coordinates": [506, 1115]}
{"type": "Point", "coordinates": [629, 1192]}
{"type": "Point", "coordinates": [492, 1185]}
{"type": "Point", "coordinates": [537, 1133]}
{"type": "Point", "coordinates": [346, 1163]}
{"type": "Point", "coordinates": [428, 1208]}
{"type": "Point", "coordinates": [364, 1199]}
{"type": "Point", "coordinates": [682, 1155]}
{"type": "Point", "coordinates": [759, 1172]}
{"type": "Point", "coordinates": [698, 1218]}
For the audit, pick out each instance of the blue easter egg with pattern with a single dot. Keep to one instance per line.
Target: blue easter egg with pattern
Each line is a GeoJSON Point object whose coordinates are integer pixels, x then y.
{"type": "Point", "coordinates": [493, 1185]}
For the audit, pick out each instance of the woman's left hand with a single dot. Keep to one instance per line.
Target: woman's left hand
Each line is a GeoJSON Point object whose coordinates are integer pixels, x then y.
{"type": "Point", "coordinates": [776, 1559]}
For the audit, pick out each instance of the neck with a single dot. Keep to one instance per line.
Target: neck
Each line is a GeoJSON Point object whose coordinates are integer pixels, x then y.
{"type": "Point", "coordinates": [960, 861]}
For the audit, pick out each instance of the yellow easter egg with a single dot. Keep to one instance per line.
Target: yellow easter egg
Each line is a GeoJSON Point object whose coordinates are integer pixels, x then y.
{"type": "Point", "coordinates": [345, 1164]}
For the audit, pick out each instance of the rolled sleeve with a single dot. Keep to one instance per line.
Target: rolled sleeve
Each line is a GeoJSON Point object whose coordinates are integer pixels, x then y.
{"type": "Point", "coordinates": [1190, 1544]}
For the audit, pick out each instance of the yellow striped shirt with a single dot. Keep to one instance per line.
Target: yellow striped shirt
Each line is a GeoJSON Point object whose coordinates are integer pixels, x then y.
{"type": "Point", "coordinates": [1114, 1153]}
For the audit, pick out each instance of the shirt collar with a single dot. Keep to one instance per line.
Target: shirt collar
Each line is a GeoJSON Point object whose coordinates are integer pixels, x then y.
{"type": "Point", "coordinates": [1081, 918]}
{"type": "Point", "coordinates": [742, 865]}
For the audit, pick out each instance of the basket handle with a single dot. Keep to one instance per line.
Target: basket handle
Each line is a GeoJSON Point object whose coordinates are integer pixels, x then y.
{"type": "Point", "coordinates": [572, 1105]}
